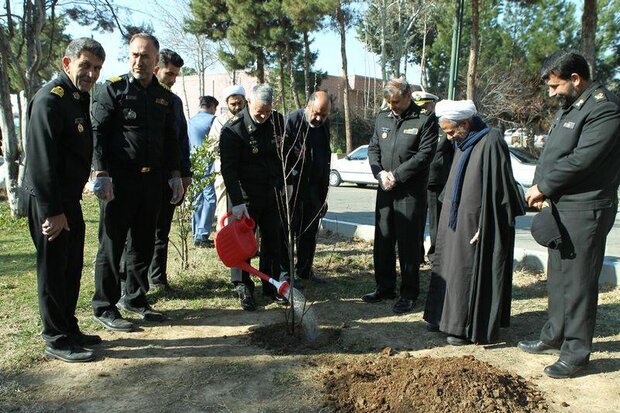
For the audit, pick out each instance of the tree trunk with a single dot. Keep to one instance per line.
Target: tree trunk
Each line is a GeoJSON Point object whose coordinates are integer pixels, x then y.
{"type": "Point", "coordinates": [282, 84]}
{"type": "Point", "coordinates": [291, 69]}
{"type": "Point", "coordinates": [423, 81]}
{"type": "Point", "coordinates": [474, 47]}
{"type": "Point", "coordinates": [10, 143]}
{"type": "Point", "coordinates": [588, 33]}
{"type": "Point", "coordinates": [383, 59]}
{"type": "Point", "coordinates": [260, 65]}
{"type": "Point", "coordinates": [345, 77]}
{"type": "Point", "coordinates": [307, 86]}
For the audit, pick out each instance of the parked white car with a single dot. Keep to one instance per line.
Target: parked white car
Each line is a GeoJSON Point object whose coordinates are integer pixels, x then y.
{"type": "Point", "coordinates": [354, 168]}
{"type": "Point", "coordinates": [523, 167]}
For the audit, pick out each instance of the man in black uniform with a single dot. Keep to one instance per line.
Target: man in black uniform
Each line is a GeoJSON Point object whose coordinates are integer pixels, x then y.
{"type": "Point", "coordinates": [400, 152]}
{"type": "Point", "coordinates": [59, 151]}
{"type": "Point", "coordinates": [578, 173]}
{"type": "Point", "coordinates": [135, 143]}
{"type": "Point", "coordinates": [170, 64]}
{"type": "Point", "coordinates": [250, 151]}
{"type": "Point", "coordinates": [307, 130]}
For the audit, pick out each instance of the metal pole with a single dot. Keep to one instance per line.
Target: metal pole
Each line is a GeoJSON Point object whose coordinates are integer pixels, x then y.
{"type": "Point", "coordinates": [456, 45]}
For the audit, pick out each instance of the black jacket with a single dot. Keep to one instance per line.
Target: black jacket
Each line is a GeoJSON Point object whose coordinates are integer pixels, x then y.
{"type": "Point", "coordinates": [404, 145]}
{"type": "Point", "coordinates": [442, 161]}
{"type": "Point", "coordinates": [183, 137]}
{"type": "Point", "coordinates": [135, 127]}
{"type": "Point", "coordinates": [580, 164]}
{"type": "Point", "coordinates": [59, 145]}
{"type": "Point", "coordinates": [313, 143]}
{"type": "Point", "coordinates": [250, 156]}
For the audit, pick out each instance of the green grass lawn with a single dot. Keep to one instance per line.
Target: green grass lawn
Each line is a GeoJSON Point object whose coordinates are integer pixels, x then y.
{"type": "Point", "coordinates": [204, 284]}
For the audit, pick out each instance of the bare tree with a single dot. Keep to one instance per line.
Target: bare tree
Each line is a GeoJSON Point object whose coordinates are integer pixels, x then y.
{"type": "Point", "coordinates": [474, 48]}
{"type": "Point", "coordinates": [588, 33]}
{"type": "Point", "coordinates": [342, 28]}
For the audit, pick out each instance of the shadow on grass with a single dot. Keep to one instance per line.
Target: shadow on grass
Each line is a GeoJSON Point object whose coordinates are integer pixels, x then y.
{"type": "Point", "coordinates": [17, 264]}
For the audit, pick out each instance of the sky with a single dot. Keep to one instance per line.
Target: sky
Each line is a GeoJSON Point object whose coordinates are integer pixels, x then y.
{"type": "Point", "coordinates": [327, 43]}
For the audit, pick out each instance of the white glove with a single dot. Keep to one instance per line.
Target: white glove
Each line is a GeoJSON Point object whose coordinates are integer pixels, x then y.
{"type": "Point", "coordinates": [176, 184]}
{"type": "Point", "coordinates": [103, 188]}
{"type": "Point", "coordinates": [239, 211]}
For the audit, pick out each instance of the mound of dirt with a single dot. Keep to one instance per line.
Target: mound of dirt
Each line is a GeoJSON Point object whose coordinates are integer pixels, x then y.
{"type": "Point", "coordinates": [407, 384]}
{"type": "Point", "coordinates": [279, 339]}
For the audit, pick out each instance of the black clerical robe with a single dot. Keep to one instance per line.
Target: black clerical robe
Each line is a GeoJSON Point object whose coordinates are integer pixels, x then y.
{"type": "Point", "coordinates": [471, 284]}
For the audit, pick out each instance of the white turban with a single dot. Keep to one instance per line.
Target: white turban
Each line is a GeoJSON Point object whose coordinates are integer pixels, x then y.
{"type": "Point", "coordinates": [233, 90]}
{"type": "Point", "coordinates": [455, 110]}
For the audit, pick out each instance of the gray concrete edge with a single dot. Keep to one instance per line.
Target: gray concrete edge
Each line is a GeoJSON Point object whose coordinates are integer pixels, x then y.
{"type": "Point", "coordinates": [523, 258]}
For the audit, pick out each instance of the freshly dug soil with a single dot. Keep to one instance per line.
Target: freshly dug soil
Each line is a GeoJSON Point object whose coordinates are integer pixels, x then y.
{"type": "Point", "coordinates": [408, 384]}
{"type": "Point", "coordinates": [279, 339]}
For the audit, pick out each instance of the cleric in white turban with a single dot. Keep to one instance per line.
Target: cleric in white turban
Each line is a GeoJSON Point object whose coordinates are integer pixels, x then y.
{"type": "Point", "coordinates": [470, 290]}
{"type": "Point", "coordinates": [455, 109]}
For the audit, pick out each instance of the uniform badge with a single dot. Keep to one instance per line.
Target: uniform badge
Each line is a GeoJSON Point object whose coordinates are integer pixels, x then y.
{"type": "Point", "coordinates": [569, 125]}
{"type": "Point", "coordinates": [412, 131]}
{"type": "Point", "coordinates": [76, 95]}
{"type": "Point", "coordinates": [600, 96]}
{"type": "Point", "coordinates": [579, 103]}
{"type": "Point", "coordinates": [131, 115]}
{"type": "Point", "coordinates": [80, 128]}
{"type": "Point", "coordinates": [255, 150]}
{"type": "Point", "coordinates": [384, 135]}
{"type": "Point", "coordinates": [58, 91]}
{"type": "Point", "coordinates": [161, 101]}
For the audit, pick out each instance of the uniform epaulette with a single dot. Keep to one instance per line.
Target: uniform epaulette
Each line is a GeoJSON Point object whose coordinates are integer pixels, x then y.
{"type": "Point", "coordinates": [58, 91]}
{"type": "Point", "coordinates": [115, 79]}
{"type": "Point", "coordinates": [165, 87]}
{"type": "Point", "coordinates": [234, 119]}
{"type": "Point", "coordinates": [600, 96]}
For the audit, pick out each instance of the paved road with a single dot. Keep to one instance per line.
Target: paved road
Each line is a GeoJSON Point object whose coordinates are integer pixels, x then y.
{"type": "Point", "coordinates": [350, 203]}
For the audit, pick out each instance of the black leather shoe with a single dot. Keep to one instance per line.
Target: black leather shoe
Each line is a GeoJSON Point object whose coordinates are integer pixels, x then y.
{"type": "Point", "coordinates": [112, 320]}
{"type": "Point", "coordinates": [433, 328]}
{"type": "Point", "coordinates": [402, 306]}
{"type": "Point", "coordinates": [146, 312]}
{"type": "Point", "coordinates": [457, 341]}
{"type": "Point", "coordinates": [537, 347]}
{"type": "Point", "coordinates": [71, 353]}
{"type": "Point", "coordinates": [376, 296]}
{"type": "Point", "coordinates": [563, 370]}
{"type": "Point", "coordinates": [246, 298]}
{"type": "Point", "coordinates": [85, 340]}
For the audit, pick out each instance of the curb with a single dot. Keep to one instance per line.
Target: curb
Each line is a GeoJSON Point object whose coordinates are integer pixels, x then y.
{"type": "Point", "coordinates": [523, 257]}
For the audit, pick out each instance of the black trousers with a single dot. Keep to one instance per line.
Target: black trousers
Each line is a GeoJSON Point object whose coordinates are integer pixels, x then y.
{"type": "Point", "coordinates": [129, 218]}
{"type": "Point", "coordinates": [158, 269]}
{"type": "Point", "coordinates": [59, 270]}
{"type": "Point", "coordinates": [434, 209]}
{"type": "Point", "coordinates": [572, 281]}
{"type": "Point", "coordinates": [399, 218]}
{"type": "Point", "coordinates": [264, 212]}
{"type": "Point", "coordinates": [305, 223]}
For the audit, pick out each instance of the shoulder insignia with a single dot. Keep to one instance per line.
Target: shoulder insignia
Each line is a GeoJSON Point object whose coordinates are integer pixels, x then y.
{"type": "Point", "coordinates": [165, 87]}
{"type": "Point", "coordinates": [234, 119]}
{"type": "Point", "coordinates": [115, 79]}
{"type": "Point", "coordinates": [600, 97]}
{"type": "Point", "coordinates": [579, 103]}
{"type": "Point", "coordinates": [58, 91]}
{"type": "Point", "coordinates": [424, 111]}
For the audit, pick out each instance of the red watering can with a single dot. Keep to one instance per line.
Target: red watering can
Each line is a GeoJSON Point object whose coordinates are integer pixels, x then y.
{"type": "Point", "coordinates": [236, 242]}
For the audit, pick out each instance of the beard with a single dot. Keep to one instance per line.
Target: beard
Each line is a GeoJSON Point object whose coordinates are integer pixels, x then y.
{"type": "Point", "coordinates": [568, 98]}
{"type": "Point", "coordinates": [309, 120]}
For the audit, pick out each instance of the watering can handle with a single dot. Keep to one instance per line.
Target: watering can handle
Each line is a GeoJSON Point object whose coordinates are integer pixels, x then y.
{"type": "Point", "coordinates": [223, 218]}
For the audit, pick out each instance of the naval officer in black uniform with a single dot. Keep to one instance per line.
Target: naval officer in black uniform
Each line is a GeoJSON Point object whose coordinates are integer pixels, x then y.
{"type": "Point", "coordinates": [578, 173]}
{"type": "Point", "coordinates": [135, 143]}
{"type": "Point", "coordinates": [400, 152]}
{"type": "Point", "coordinates": [250, 151]}
{"type": "Point", "coordinates": [59, 151]}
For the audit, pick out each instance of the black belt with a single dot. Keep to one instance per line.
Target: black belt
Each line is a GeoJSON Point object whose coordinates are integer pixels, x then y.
{"type": "Point", "coordinates": [133, 169]}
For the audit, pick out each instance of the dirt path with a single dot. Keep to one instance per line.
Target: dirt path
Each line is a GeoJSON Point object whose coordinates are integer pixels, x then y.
{"type": "Point", "coordinates": [202, 361]}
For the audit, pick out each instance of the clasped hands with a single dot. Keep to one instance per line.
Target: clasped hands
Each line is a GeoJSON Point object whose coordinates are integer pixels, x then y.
{"type": "Point", "coordinates": [387, 181]}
